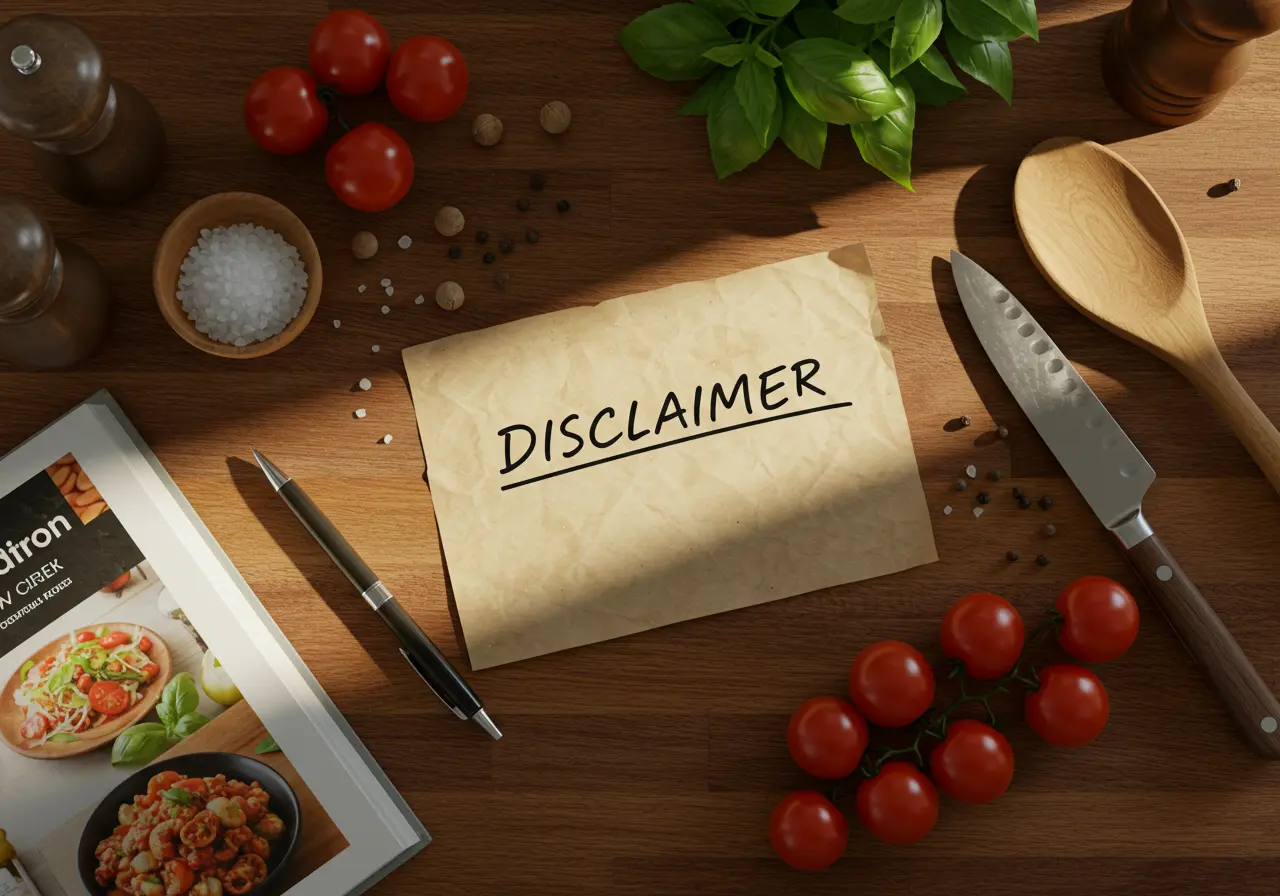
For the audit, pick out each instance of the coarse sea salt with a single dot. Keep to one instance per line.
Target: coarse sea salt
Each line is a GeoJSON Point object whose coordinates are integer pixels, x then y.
{"type": "Point", "coordinates": [376, 348]}
{"type": "Point", "coordinates": [385, 281]}
{"type": "Point", "coordinates": [364, 384]}
{"type": "Point", "coordinates": [360, 412]}
{"type": "Point", "coordinates": [419, 300]}
{"type": "Point", "coordinates": [404, 242]}
{"type": "Point", "coordinates": [241, 284]}
{"type": "Point", "coordinates": [386, 309]}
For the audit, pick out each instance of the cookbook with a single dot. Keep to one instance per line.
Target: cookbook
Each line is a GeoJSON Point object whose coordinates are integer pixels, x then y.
{"type": "Point", "coordinates": [158, 734]}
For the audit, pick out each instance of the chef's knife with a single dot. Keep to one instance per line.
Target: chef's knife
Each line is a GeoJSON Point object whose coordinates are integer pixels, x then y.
{"type": "Point", "coordinates": [1113, 477]}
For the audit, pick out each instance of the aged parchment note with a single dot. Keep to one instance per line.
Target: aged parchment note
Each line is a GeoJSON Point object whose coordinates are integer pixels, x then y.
{"type": "Point", "coordinates": [601, 471]}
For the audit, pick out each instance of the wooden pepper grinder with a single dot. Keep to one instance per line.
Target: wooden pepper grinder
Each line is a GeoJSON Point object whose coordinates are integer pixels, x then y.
{"type": "Point", "coordinates": [1169, 62]}
{"type": "Point", "coordinates": [96, 139]}
{"type": "Point", "coordinates": [54, 297]}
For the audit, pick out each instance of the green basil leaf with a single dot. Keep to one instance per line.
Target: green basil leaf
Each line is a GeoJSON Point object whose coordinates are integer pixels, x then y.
{"type": "Point", "coordinates": [668, 42]}
{"type": "Point", "coordinates": [727, 10]}
{"type": "Point", "coordinates": [139, 744]}
{"type": "Point", "coordinates": [62, 738]}
{"type": "Point", "coordinates": [768, 58]}
{"type": "Point", "coordinates": [882, 32]}
{"type": "Point", "coordinates": [775, 8]}
{"type": "Point", "coordinates": [189, 724]}
{"type": "Point", "coordinates": [836, 82]}
{"type": "Point", "coordinates": [814, 18]}
{"type": "Point", "coordinates": [61, 678]}
{"type": "Point", "coordinates": [179, 795]}
{"type": "Point", "coordinates": [885, 144]}
{"type": "Point", "coordinates": [267, 745]}
{"type": "Point", "coordinates": [987, 61]}
{"type": "Point", "coordinates": [803, 134]}
{"type": "Point", "coordinates": [700, 102]}
{"type": "Point", "coordinates": [867, 12]}
{"type": "Point", "coordinates": [978, 21]}
{"type": "Point", "coordinates": [1021, 12]}
{"type": "Point", "coordinates": [916, 26]}
{"type": "Point", "coordinates": [784, 36]}
{"type": "Point", "coordinates": [729, 55]}
{"type": "Point", "coordinates": [734, 144]}
{"type": "Point", "coordinates": [931, 79]}
{"type": "Point", "coordinates": [758, 92]}
{"type": "Point", "coordinates": [178, 698]}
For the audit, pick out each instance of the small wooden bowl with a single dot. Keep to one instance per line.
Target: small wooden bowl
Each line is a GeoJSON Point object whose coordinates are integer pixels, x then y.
{"type": "Point", "coordinates": [223, 210]}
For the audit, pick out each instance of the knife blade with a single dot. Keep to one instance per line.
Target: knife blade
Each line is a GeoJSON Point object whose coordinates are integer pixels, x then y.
{"type": "Point", "coordinates": [1113, 477]}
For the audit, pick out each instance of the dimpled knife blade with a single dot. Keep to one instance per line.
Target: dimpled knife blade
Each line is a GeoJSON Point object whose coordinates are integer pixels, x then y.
{"type": "Point", "coordinates": [1104, 464]}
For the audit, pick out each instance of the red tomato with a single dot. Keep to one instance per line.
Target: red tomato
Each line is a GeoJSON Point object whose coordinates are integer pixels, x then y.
{"type": "Point", "coordinates": [350, 50]}
{"type": "Point", "coordinates": [149, 671]}
{"type": "Point", "coordinates": [144, 644]}
{"type": "Point", "coordinates": [1101, 619]}
{"type": "Point", "coordinates": [807, 830]}
{"type": "Point", "coordinates": [282, 111]}
{"type": "Point", "coordinates": [984, 632]}
{"type": "Point", "coordinates": [1070, 708]}
{"type": "Point", "coordinates": [974, 762]}
{"type": "Point", "coordinates": [162, 781]}
{"type": "Point", "coordinates": [899, 805]}
{"type": "Point", "coordinates": [85, 637]}
{"type": "Point", "coordinates": [115, 639]}
{"type": "Point", "coordinates": [370, 168]}
{"type": "Point", "coordinates": [84, 682]}
{"type": "Point", "coordinates": [891, 684]}
{"type": "Point", "coordinates": [427, 80]}
{"type": "Point", "coordinates": [826, 737]}
{"type": "Point", "coordinates": [108, 698]}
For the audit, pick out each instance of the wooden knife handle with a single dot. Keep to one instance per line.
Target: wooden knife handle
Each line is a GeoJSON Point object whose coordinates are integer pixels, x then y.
{"type": "Point", "coordinates": [1247, 697]}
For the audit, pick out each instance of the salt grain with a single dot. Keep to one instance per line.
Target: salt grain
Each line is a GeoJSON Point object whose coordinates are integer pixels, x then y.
{"type": "Point", "coordinates": [386, 309]}
{"type": "Point", "coordinates": [404, 242]}
{"type": "Point", "coordinates": [977, 511]}
{"type": "Point", "coordinates": [390, 290]}
{"type": "Point", "coordinates": [386, 440]}
{"type": "Point", "coordinates": [419, 300]}
{"type": "Point", "coordinates": [241, 284]}
{"type": "Point", "coordinates": [376, 348]}
{"type": "Point", "coordinates": [336, 323]}
{"type": "Point", "coordinates": [385, 281]}
{"type": "Point", "coordinates": [360, 412]}
{"type": "Point", "coordinates": [971, 471]}
{"type": "Point", "coordinates": [365, 385]}
{"type": "Point", "coordinates": [361, 288]}
{"type": "Point", "coordinates": [947, 510]}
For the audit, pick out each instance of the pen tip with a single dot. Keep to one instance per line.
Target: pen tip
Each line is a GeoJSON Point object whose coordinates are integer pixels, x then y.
{"type": "Point", "coordinates": [482, 719]}
{"type": "Point", "coordinates": [274, 474]}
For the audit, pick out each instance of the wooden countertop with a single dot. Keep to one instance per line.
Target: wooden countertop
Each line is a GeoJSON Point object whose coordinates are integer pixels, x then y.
{"type": "Point", "coordinates": [648, 765]}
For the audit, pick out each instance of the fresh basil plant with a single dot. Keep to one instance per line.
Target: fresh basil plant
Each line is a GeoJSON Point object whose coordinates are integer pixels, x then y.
{"type": "Point", "coordinates": [789, 68]}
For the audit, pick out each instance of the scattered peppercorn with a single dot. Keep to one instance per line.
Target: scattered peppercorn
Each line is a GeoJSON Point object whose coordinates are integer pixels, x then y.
{"type": "Point", "coordinates": [1002, 432]}
{"type": "Point", "coordinates": [1051, 530]}
{"type": "Point", "coordinates": [482, 237]}
{"type": "Point", "coordinates": [523, 204]}
{"type": "Point", "coordinates": [1233, 184]}
{"type": "Point", "coordinates": [562, 205]}
{"type": "Point", "coordinates": [966, 420]}
{"type": "Point", "coordinates": [502, 279]}
{"type": "Point", "coordinates": [555, 117]}
{"type": "Point", "coordinates": [984, 497]}
{"type": "Point", "coordinates": [1024, 502]}
{"type": "Point", "coordinates": [993, 475]}
{"type": "Point", "coordinates": [1045, 502]}
{"type": "Point", "coordinates": [1012, 556]}
{"type": "Point", "coordinates": [531, 236]}
{"type": "Point", "coordinates": [1018, 492]}
{"type": "Point", "coordinates": [960, 485]}
{"type": "Point", "coordinates": [364, 245]}
{"type": "Point", "coordinates": [455, 251]}
{"type": "Point", "coordinates": [506, 247]}
{"type": "Point", "coordinates": [537, 181]}
{"type": "Point", "coordinates": [1042, 560]}
{"type": "Point", "coordinates": [488, 258]}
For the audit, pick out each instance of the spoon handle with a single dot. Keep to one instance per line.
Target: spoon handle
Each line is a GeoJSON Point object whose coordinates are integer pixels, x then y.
{"type": "Point", "coordinates": [1249, 701]}
{"type": "Point", "coordinates": [1214, 378]}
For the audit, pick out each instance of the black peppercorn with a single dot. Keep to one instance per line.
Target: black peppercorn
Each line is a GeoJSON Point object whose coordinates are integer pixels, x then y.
{"type": "Point", "coordinates": [1018, 492]}
{"type": "Point", "coordinates": [531, 236]}
{"type": "Point", "coordinates": [562, 205]}
{"type": "Point", "coordinates": [1024, 502]}
{"type": "Point", "coordinates": [1042, 560]}
{"type": "Point", "coordinates": [455, 251]}
{"type": "Point", "coordinates": [960, 485]}
{"type": "Point", "coordinates": [482, 237]}
{"type": "Point", "coordinates": [984, 497]}
{"type": "Point", "coordinates": [1050, 530]}
{"type": "Point", "coordinates": [522, 204]}
{"type": "Point", "coordinates": [537, 181]}
{"type": "Point", "coordinates": [1002, 432]}
{"type": "Point", "coordinates": [488, 258]}
{"type": "Point", "coordinates": [993, 475]}
{"type": "Point", "coordinates": [1045, 502]}
{"type": "Point", "coordinates": [966, 420]}
{"type": "Point", "coordinates": [507, 247]}
{"type": "Point", "coordinates": [502, 279]}
{"type": "Point", "coordinates": [1012, 556]}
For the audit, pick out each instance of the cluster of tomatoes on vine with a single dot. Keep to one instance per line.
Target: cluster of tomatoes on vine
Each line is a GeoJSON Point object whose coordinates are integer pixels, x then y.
{"type": "Point", "coordinates": [370, 167]}
{"type": "Point", "coordinates": [892, 686]}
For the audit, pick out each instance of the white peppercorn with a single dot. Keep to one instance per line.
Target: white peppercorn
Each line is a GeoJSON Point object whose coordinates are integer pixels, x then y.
{"type": "Point", "coordinates": [449, 296]}
{"type": "Point", "coordinates": [555, 117]}
{"type": "Point", "coordinates": [487, 129]}
{"type": "Point", "coordinates": [364, 245]}
{"type": "Point", "coordinates": [449, 221]}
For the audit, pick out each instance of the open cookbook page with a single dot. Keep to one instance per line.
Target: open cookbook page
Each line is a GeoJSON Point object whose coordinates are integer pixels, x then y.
{"type": "Point", "coordinates": [158, 736]}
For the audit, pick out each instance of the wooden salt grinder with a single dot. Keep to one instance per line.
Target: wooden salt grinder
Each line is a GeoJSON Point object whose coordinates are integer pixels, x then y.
{"type": "Point", "coordinates": [96, 140]}
{"type": "Point", "coordinates": [53, 295]}
{"type": "Point", "coordinates": [1169, 62]}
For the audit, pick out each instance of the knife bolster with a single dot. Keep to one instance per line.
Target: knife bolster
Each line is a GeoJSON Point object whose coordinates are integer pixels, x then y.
{"type": "Point", "coordinates": [1133, 530]}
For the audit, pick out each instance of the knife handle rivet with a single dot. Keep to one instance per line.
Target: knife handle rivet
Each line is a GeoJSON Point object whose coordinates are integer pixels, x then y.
{"type": "Point", "coordinates": [1269, 725]}
{"type": "Point", "coordinates": [1164, 573]}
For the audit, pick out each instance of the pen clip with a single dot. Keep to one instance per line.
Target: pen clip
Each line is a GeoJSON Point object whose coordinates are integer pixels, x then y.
{"type": "Point", "coordinates": [416, 668]}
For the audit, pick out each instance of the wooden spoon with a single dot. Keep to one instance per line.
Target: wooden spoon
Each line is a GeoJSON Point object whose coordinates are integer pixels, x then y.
{"type": "Point", "coordinates": [1102, 236]}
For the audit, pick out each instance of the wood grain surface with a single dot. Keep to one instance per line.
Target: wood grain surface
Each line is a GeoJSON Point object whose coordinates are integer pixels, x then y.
{"type": "Point", "coordinates": [649, 765]}
{"type": "Point", "coordinates": [239, 730]}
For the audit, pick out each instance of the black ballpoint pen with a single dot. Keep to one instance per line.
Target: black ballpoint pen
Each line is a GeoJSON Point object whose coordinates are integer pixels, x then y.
{"type": "Point", "coordinates": [425, 658]}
